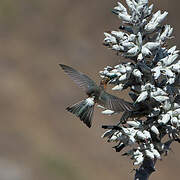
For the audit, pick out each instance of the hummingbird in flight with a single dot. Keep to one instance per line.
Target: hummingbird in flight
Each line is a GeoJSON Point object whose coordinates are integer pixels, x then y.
{"type": "Point", "coordinates": [96, 95]}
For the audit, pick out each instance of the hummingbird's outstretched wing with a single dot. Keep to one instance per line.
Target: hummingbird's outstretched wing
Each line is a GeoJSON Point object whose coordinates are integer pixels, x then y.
{"type": "Point", "coordinates": [114, 103]}
{"type": "Point", "coordinates": [79, 78]}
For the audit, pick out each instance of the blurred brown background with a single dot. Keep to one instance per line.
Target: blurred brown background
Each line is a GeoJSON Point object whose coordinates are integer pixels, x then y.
{"type": "Point", "coordinates": [39, 140]}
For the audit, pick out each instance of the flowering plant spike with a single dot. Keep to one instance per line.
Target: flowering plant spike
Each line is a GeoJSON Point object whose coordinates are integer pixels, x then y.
{"type": "Point", "coordinates": [152, 73]}
{"type": "Point", "coordinates": [151, 122]}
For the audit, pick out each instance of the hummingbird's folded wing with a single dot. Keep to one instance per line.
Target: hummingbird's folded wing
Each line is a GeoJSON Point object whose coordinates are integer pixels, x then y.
{"type": "Point", "coordinates": [114, 103]}
{"type": "Point", "coordinates": [79, 78]}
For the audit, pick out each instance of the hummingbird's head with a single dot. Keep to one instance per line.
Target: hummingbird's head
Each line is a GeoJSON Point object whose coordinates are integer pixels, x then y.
{"type": "Point", "coordinates": [104, 82]}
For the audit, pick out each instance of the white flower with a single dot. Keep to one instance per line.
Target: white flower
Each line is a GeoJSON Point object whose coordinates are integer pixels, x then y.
{"type": "Point", "coordinates": [142, 96]}
{"type": "Point", "coordinates": [149, 11]}
{"type": "Point", "coordinates": [149, 154]}
{"type": "Point", "coordinates": [167, 105]}
{"type": "Point", "coordinates": [150, 27]}
{"type": "Point", "coordinates": [171, 80]}
{"type": "Point", "coordinates": [176, 112]}
{"type": "Point", "coordinates": [161, 18]}
{"type": "Point", "coordinates": [137, 73]}
{"type": "Point", "coordinates": [155, 112]}
{"type": "Point", "coordinates": [125, 17]}
{"type": "Point", "coordinates": [132, 140]}
{"type": "Point", "coordinates": [174, 120]}
{"type": "Point", "coordinates": [176, 105]}
{"type": "Point", "coordinates": [131, 5]}
{"type": "Point", "coordinates": [140, 57]}
{"type": "Point", "coordinates": [128, 44]}
{"type": "Point", "coordinates": [156, 72]}
{"type": "Point", "coordinates": [158, 92]}
{"type": "Point", "coordinates": [155, 129]}
{"type": "Point", "coordinates": [107, 133]}
{"type": "Point", "coordinates": [128, 68]}
{"type": "Point", "coordinates": [138, 160]}
{"type": "Point", "coordinates": [133, 51]}
{"type": "Point", "coordinates": [141, 135]}
{"type": "Point", "coordinates": [121, 8]}
{"type": "Point", "coordinates": [114, 71]}
{"type": "Point", "coordinates": [161, 98]}
{"type": "Point", "coordinates": [145, 51]}
{"type": "Point", "coordinates": [108, 112]}
{"type": "Point", "coordinates": [147, 134]}
{"type": "Point", "coordinates": [131, 37]}
{"type": "Point", "coordinates": [175, 67]}
{"type": "Point", "coordinates": [139, 39]}
{"type": "Point", "coordinates": [135, 124]}
{"type": "Point", "coordinates": [116, 47]}
{"type": "Point", "coordinates": [165, 119]}
{"type": "Point", "coordinates": [118, 87]}
{"type": "Point", "coordinates": [122, 69]}
{"type": "Point", "coordinates": [118, 34]}
{"type": "Point", "coordinates": [168, 60]}
{"type": "Point", "coordinates": [172, 50]}
{"type": "Point", "coordinates": [123, 77]}
{"type": "Point", "coordinates": [156, 153]}
{"type": "Point", "coordinates": [109, 38]}
{"type": "Point", "coordinates": [152, 45]}
{"type": "Point", "coordinates": [167, 33]}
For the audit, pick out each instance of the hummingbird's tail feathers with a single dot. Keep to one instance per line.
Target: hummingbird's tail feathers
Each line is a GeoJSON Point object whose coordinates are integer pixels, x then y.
{"type": "Point", "coordinates": [84, 110]}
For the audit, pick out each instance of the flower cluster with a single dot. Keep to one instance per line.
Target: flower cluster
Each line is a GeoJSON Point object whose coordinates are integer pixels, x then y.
{"type": "Point", "coordinates": [152, 73]}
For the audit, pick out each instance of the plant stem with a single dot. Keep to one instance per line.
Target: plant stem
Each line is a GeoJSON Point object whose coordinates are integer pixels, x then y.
{"type": "Point", "coordinates": [145, 170]}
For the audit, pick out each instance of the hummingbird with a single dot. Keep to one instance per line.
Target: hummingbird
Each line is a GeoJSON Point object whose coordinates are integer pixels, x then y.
{"type": "Point", "coordinates": [95, 95]}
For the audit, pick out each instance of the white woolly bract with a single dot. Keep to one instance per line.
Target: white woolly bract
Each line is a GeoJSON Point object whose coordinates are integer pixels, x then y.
{"type": "Point", "coordinates": [142, 96]}
{"type": "Point", "coordinates": [118, 87]}
{"type": "Point", "coordinates": [135, 124]}
{"type": "Point", "coordinates": [108, 112]}
{"type": "Point", "coordinates": [155, 130]}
